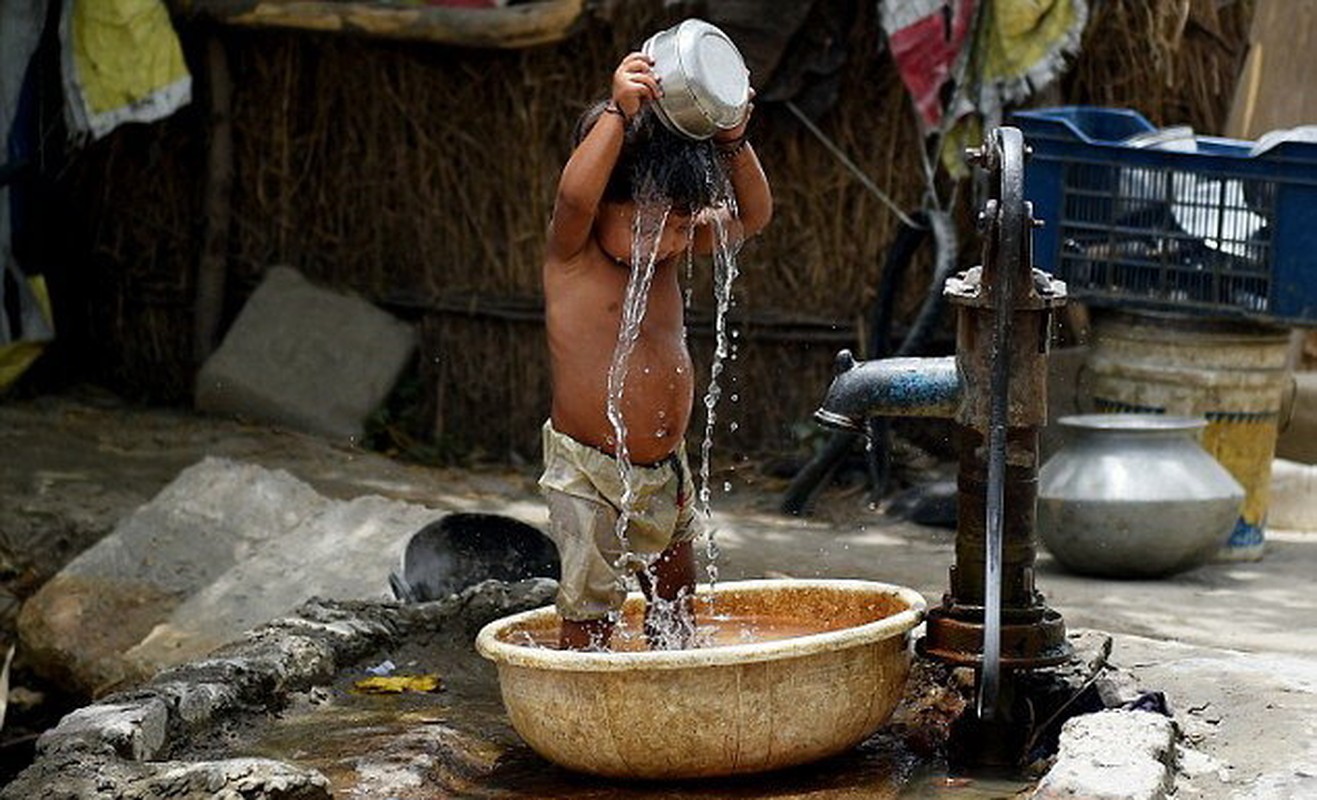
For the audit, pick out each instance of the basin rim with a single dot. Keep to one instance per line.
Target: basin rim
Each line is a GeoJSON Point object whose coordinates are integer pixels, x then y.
{"type": "Point", "coordinates": [491, 647]}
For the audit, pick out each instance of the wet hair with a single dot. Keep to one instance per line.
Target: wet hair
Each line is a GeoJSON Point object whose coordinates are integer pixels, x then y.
{"type": "Point", "coordinates": [656, 161]}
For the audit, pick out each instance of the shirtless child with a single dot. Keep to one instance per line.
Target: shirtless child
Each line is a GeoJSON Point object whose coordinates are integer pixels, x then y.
{"type": "Point", "coordinates": [586, 269]}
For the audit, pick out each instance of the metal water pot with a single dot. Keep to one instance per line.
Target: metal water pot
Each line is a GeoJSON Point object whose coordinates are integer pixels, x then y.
{"type": "Point", "coordinates": [1134, 496]}
{"type": "Point", "coordinates": [706, 86]}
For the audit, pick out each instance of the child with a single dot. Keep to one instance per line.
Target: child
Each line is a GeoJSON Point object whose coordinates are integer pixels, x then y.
{"type": "Point", "coordinates": [589, 255]}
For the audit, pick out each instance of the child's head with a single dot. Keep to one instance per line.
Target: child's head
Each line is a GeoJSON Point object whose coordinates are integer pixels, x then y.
{"type": "Point", "coordinates": [683, 171]}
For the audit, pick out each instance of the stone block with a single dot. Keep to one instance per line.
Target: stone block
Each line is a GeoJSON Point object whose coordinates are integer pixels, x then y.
{"type": "Point", "coordinates": [306, 358]}
{"type": "Point", "coordinates": [224, 548]}
{"type": "Point", "coordinates": [215, 514]}
{"type": "Point", "coordinates": [343, 551]}
{"type": "Point", "coordinates": [134, 730]}
{"type": "Point", "coordinates": [1112, 755]}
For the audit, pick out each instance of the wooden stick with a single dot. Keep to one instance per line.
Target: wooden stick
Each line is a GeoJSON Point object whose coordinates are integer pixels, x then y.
{"type": "Point", "coordinates": [211, 268]}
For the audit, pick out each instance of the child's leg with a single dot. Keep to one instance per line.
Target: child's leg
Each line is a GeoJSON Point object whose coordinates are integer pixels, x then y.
{"type": "Point", "coordinates": [669, 586]}
{"type": "Point", "coordinates": [673, 571]}
{"type": "Point", "coordinates": [669, 583]}
{"type": "Point", "coordinates": [590, 588]}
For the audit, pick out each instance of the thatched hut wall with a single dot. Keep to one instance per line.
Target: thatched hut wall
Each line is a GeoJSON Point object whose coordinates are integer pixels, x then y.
{"type": "Point", "coordinates": [421, 177]}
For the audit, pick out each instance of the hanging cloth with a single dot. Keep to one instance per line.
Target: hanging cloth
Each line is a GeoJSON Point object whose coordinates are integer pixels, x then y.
{"type": "Point", "coordinates": [121, 62]}
{"type": "Point", "coordinates": [1021, 47]}
{"type": "Point", "coordinates": [25, 319]}
{"type": "Point", "coordinates": [965, 61]}
{"type": "Point", "coordinates": [927, 39]}
{"type": "Point", "coordinates": [25, 333]}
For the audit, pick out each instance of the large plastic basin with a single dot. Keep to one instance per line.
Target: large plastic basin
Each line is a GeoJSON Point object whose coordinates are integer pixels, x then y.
{"type": "Point", "coordinates": [716, 710]}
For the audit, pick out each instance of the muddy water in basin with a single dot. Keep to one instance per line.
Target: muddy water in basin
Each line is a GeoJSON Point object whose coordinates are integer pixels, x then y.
{"type": "Point", "coordinates": [717, 630]}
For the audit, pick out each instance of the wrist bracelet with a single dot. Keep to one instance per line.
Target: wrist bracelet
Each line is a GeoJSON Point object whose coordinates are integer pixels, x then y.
{"type": "Point", "coordinates": [614, 108]}
{"type": "Point", "coordinates": [732, 149]}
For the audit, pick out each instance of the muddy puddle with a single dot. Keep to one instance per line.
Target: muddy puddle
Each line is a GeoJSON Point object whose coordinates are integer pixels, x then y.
{"type": "Point", "coordinates": [457, 743]}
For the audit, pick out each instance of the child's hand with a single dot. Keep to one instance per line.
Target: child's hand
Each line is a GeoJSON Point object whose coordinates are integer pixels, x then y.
{"type": "Point", "coordinates": [635, 84]}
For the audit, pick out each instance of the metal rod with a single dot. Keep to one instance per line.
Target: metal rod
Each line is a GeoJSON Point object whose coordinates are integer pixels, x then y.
{"type": "Point", "coordinates": [850, 165]}
{"type": "Point", "coordinates": [1007, 220]}
{"type": "Point", "coordinates": [990, 684]}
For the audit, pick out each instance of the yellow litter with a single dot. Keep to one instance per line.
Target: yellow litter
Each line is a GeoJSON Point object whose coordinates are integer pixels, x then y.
{"type": "Point", "coordinates": [397, 684]}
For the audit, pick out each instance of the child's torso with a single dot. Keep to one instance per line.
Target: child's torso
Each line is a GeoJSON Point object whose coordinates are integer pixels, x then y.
{"type": "Point", "coordinates": [583, 311]}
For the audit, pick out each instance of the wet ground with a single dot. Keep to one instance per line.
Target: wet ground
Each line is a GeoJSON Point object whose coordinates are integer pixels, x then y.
{"type": "Point", "coordinates": [1233, 645]}
{"type": "Point", "coordinates": [457, 742]}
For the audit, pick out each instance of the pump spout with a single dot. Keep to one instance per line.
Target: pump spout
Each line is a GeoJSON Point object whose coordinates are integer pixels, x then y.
{"type": "Point", "coordinates": [889, 387]}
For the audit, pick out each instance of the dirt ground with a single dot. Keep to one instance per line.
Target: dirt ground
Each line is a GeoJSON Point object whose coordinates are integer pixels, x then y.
{"type": "Point", "coordinates": [1233, 646]}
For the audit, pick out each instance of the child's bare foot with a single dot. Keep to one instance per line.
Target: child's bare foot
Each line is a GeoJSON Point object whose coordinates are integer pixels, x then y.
{"type": "Point", "coordinates": [669, 586]}
{"type": "Point", "coordinates": [670, 624]}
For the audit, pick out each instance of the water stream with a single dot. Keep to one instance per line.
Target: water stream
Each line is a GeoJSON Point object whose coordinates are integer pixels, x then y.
{"type": "Point", "coordinates": [725, 271]}
{"type": "Point", "coordinates": [651, 214]}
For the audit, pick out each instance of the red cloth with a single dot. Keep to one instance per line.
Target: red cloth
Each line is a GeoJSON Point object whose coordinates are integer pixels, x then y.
{"type": "Point", "coordinates": [925, 48]}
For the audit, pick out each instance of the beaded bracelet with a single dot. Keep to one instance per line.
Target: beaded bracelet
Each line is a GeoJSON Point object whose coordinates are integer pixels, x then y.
{"type": "Point", "coordinates": [731, 149]}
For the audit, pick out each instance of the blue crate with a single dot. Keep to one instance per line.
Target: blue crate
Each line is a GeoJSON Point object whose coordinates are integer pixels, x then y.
{"type": "Point", "coordinates": [1216, 232]}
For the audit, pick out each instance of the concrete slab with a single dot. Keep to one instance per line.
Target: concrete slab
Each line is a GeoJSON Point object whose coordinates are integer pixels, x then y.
{"type": "Point", "coordinates": [1253, 713]}
{"type": "Point", "coordinates": [345, 551]}
{"type": "Point", "coordinates": [117, 747]}
{"type": "Point", "coordinates": [211, 517]}
{"type": "Point", "coordinates": [305, 357]}
{"type": "Point", "coordinates": [1112, 755]}
{"type": "Point", "coordinates": [224, 547]}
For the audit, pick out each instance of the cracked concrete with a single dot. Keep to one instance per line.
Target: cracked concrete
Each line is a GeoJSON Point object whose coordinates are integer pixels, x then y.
{"type": "Point", "coordinates": [135, 744]}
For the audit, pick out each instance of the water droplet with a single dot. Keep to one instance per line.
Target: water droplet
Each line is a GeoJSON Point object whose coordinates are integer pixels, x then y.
{"type": "Point", "coordinates": [733, 427]}
{"type": "Point", "coordinates": [727, 486]}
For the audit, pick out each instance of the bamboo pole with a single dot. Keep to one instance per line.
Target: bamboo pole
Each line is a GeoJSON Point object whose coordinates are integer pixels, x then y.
{"type": "Point", "coordinates": [211, 268]}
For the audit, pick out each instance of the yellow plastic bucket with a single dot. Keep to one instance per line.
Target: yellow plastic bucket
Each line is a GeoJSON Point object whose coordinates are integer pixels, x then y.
{"type": "Point", "coordinates": [1235, 374]}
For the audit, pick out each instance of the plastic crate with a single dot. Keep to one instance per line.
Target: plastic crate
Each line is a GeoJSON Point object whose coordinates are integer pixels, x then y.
{"type": "Point", "coordinates": [1216, 232]}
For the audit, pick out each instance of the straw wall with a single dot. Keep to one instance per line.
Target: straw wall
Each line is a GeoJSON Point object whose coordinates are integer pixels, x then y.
{"type": "Point", "coordinates": [421, 177]}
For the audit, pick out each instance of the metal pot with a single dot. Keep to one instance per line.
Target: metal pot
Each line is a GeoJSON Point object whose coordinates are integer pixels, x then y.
{"type": "Point", "coordinates": [1135, 496]}
{"type": "Point", "coordinates": [706, 86]}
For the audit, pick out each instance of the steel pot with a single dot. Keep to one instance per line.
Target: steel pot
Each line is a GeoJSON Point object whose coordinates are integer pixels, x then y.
{"type": "Point", "coordinates": [706, 86]}
{"type": "Point", "coordinates": [1135, 496]}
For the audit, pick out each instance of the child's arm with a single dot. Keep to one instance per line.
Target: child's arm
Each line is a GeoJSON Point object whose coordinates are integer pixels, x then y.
{"type": "Point", "coordinates": [581, 185]}
{"type": "Point", "coordinates": [754, 198]}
